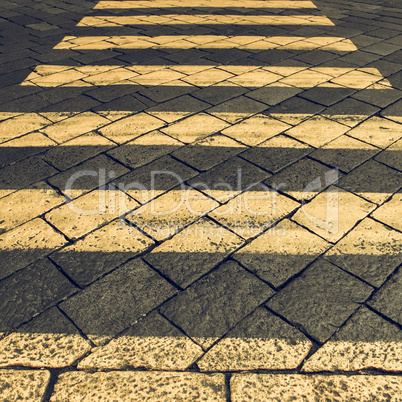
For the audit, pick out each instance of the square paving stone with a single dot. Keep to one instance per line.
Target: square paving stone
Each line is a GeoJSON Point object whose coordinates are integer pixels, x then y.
{"type": "Point", "coordinates": [281, 252]}
{"type": "Point", "coordinates": [256, 129]}
{"type": "Point", "coordinates": [393, 112]}
{"type": "Point", "coordinates": [113, 303]}
{"type": "Point", "coordinates": [377, 131]}
{"type": "Point", "coordinates": [373, 181]}
{"type": "Point", "coordinates": [31, 291]}
{"type": "Point", "coordinates": [276, 153]}
{"type": "Point", "coordinates": [392, 155]}
{"type": "Point", "coordinates": [332, 213]}
{"type": "Point", "coordinates": [344, 153]}
{"type": "Point", "coordinates": [150, 181]}
{"type": "Point", "coordinates": [101, 251]}
{"type": "Point", "coordinates": [390, 212]}
{"type": "Point", "coordinates": [371, 251]}
{"type": "Point", "coordinates": [193, 252]}
{"type": "Point", "coordinates": [29, 345]}
{"type": "Point", "coordinates": [366, 341]}
{"type": "Point", "coordinates": [304, 179]}
{"type": "Point", "coordinates": [321, 299]}
{"type": "Point", "coordinates": [228, 179]}
{"type": "Point", "coordinates": [153, 342]}
{"type": "Point", "coordinates": [327, 96]}
{"type": "Point", "coordinates": [388, 299]}
{"type": "Point", "coordinates": [216, 303]}
{"type": "Point", "coordinates": [260, 341]}
{"type": "Point", "coordinates": [27, 243]}
{"type": "Point", "coordinates": [207, 153]}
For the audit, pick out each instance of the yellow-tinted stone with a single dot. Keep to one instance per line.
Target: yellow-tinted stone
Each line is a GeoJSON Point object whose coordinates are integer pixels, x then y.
{"type": "Point", "coordinates": [140, 386]}
{"type": "Point", "coordinates": [333, 213]}
{"type": "Point", "coordinates": [290, 387]}
{"type": "Point", "coordinates": [153, 343]}
{"type": "Point", "coordinates": [23, 385]}
{"type": "Point", "coordinates": [390, 212]}
{"type": "Point", "coordinates": [20, 125]}
{"type": "Point", "coordinates": [392, 155]}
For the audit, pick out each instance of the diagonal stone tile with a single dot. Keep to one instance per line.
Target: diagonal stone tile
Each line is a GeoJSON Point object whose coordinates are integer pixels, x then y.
{"type": "Point", "coordinates": [31, 291]}
{"type": "Point", "coordinates": [366, 341]}
{"type": "Point", "coordinates": [344, 153]}
{"type": "Point", "coordinates": [276, 153]}
{"type": "Point", "coordinates": [256, 129]}
{"type": "Point", "coordinates": [171, 212]}
{"type": "Point", "coordinates": [373, 181]}
{"type": "Point", "coordinates": [29, 345]}
{"type": "Point", "coordinates": [377, 131]}
{"type": "Point", "coordinates": [317, 131]}
{"type": "Point", "coordinates": [24, 384]}
{"type": "Point", "coordinates": [281, 252]}
{"type": "Point", "coordinates": [390, 212]}
{"type": "Point", "coordinates": [209, 152]}
{"type": "Point", "coordinates": [321, 299]}
{"type": "Point", "coordinates": [260, 341]}
{"type": "Point", "coordinates": [140, 385]}
{"type": "Point", "coordinates": [391, 156]}
{"type": "Point", "coordinates": [25, 244]}
{"type": "Point", "coordinates": [371, 251]}
{"type": "Point", "coordinates": [388, 299]}
{"type": "Point", "coordinates": [145, 149]}
{"type": "Point", "coordinates": [130, 127]}
{"type": "Point", "coordinates": [275, 93]}
{"type": "Point", "coordinates": [218, 302]}
{"type": "Point", "coordinates": [333, 213]}
{"type": "Point", "coordinates": [122, 297]}
{"type": "Point", "coordinates": [153, 342]}
{"type": "Point", "coordinates": [101, 251]}
{"type": "Point", "coordinates": [193, 252]}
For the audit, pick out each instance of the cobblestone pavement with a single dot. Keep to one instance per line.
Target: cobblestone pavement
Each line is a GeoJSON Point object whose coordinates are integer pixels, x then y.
{"type": "Point", "coordinates": [200, 200]}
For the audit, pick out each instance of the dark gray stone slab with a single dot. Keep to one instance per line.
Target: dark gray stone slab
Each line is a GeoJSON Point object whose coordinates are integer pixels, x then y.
{"type": "Point", "coordinates": [321, 299]}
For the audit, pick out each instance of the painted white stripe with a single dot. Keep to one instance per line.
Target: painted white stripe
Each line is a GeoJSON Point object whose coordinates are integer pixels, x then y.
{"type": "Point", "coordinates": [205, 42]}
{"type": "Point", "coordinates": [204, 3]}
{"type": "Point", "coordinates": [178, 19]}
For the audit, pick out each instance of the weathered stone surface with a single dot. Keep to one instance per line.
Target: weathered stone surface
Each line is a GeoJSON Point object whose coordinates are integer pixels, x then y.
{"type": "Point", "coordinates": [29, 242]}
{"type": "Point", "coordinates": [260, 341]}
{"type": "Point", "coordinates": [288, 387]}
{"type": "Point", "coordinates": [254, 211]}
{"type": "Point", "coordinates": [389, 298]}
{"type": "Point", "coordinates": [321, 299]}
{"type": "Point", "coordinates": [392, 155]}
{"type": "Point", "coordinates": [219, 301]}
{"type": "Point", "coordinates": [101, 251]}
{"type": "Point", "coordinates": [49, 340]}
{"type": "Point", "coordinates": [276, 153]}
{"type": "Point", "coordinates": [153, 343]}
{"type": "Point", "coordinates": [281, 252]}
{"type": "Point", "coordinates": [171, 212]}
{"type": "Point", "coordinates": [140, 386]}
{"type": "Point", "coordinates": [20, 125]}
{"type": "Point", "coordinates": [87, 176]}
{"type": "Point", "coordinates": [332, 213]}
{"type": "Point", "coordinates": [121, 297]}
{"type": "Point", "coordinates": [256, 129]}
{"type": "Point", "coordinates": [344, 153]}
{"type": "Point", "coordinates": [390, 212]}
{"type": "Point", "coordinates": [31, 291]}
{"type": "Point", "coordinates": [370, 251]}
{"type": "Point", "coordinates": [23, 385]}
{"type": "Point", "coordinates": [366, 341]}
{"type": "Point", "coordinates": [377, 131]}
{"type": "Point", "coordinates": [372, 181]}
{"type": "Point", "coordinates": [207, 153]}
{"type": "Point", "coordinates": [228, 179]}
{"type": "Point", "coordinates": [145, 149]}
{"type": "Point", "coordinates": [90, 211]}
{"type": "Point", "coordinates": [193, 252]}
{"type": "Point", "coordinates": [150, 181]}
{"type": "Point", "coordinates": [304, 179]}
